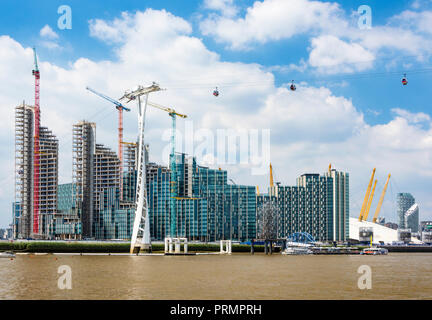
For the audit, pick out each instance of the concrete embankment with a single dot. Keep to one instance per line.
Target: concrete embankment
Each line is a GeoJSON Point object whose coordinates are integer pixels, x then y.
{"type": "Point", "coordinates": [104, 247]}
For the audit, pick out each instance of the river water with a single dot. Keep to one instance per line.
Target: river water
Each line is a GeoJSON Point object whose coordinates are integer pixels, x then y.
{"type": "Point", "coordinates": [238, 276]}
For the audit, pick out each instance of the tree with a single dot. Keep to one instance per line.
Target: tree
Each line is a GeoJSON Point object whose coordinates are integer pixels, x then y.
{"type": "Point", "coordinates": [267, 220]}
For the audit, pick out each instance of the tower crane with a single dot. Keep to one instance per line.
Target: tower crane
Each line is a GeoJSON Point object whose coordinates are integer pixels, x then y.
{"type": "Point", "coordinates": [381, 200]}
{"type": "Point", "coordinates": [36, 156]}
{"type": "Point", "coordinates": [120, 109]}
{"type": "Point", "coordinates": [366, 214]}
{"type": "Point", "coordinates": [173, 188]}
{"type": "Point", "coordinates": [141, 228]}
{"type": "Point", "coordinates": [365, 201]}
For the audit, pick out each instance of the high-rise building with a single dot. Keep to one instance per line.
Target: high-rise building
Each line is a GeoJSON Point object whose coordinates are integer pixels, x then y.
{"type": "Point", "coordinates": [318, 205]}
{"type": "Point", "coordinates": [48, 179]}
{"type": "Point", "coordinates": [207, 207]}
{"type": "Point", "coordinates": [318, 214]}
{"type": "Point", "coordinates": [411, 218]}
{"type": "Point", "coordinates": [404, 202]}
{"type": "Point", "coordinates": [96, 170]}
{"type": "Point", "coordinates": [339, 222]}
{"type": "Point", "coordinates": [24, 179]}
{"type": "Point", "coordinates": [23, 205]}
{"type": "Point", "coordinates": [83, 149]}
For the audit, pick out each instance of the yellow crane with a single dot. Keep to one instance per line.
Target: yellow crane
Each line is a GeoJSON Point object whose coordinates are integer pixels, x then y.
{"type": "Point", "coordinates": [381, 200]}
{"type": "Point", "coordinates": [365, 201]}
{"type": "Point", "coordinates": [271, 176]}
{"type": "Point", "coordinates": [370, 202]}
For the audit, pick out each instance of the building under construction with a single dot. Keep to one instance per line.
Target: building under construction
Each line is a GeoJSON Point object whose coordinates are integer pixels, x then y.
{"type": "Point", "coordinates": [24, 176]}
{"type": "Point", "coordinates": [96, 169]}
{"type": "Point", "coordinates": [23, 206]}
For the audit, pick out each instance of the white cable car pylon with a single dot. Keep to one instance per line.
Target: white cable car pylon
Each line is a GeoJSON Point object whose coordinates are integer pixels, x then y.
{"type": "Point", "coordinates": [141, 228]}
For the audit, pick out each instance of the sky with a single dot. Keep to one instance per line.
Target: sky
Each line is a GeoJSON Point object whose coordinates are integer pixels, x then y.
{"type": "Point", "coordinates": [350, 108]}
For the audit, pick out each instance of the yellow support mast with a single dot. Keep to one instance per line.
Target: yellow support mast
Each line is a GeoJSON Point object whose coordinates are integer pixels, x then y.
{"type": "Point", "coordinates": [365, 201]}
{"type": "Point", "coordinates": [381, 200]}
{"type": "Point", "coordinates": [370, 201]}
{"type": "Point", "coordinates": [271, 176]}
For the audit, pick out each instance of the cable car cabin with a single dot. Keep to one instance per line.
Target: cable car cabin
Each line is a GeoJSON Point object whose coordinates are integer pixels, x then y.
{"type": "Point", "coordinates": [216, 92]}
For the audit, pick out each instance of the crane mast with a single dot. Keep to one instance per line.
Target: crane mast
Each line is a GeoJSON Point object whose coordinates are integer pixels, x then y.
{"type": "Point", "coordinates": [173, 179]}
{"type": "Point", "coordinates": [366, 198]}
{"type": "Point", "coordinates": [36, 157]}
{"type": "Point", "coordinates": [381, 200]}
{"type": "Point", "coordinates": [370, 201]}
{"type": "Point", "coordinates": [271, 176]}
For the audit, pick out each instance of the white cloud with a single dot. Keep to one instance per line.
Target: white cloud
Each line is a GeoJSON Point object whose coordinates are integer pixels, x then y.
{"type": "Point", "coordinates": [271, 20]}
{"type": "Point", "coordinates": [309, 128]}
{"type": "Point", "coordinates": [419, 21]}
{"type": "Point", "coordinates": [412, 117]}
{"type": "Point", "coordinates": [328, 27]}
{"type": "Point", "coordinates": [48, 33]}
{"type": "Point", "coordinates": [49, 38]}
{"type": "Point", "coordinates": [331, 55]}
{"type": "Point", "coordinates": [226, 7]}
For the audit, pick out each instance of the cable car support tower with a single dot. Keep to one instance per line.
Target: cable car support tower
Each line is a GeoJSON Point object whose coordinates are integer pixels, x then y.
{"type": "Point", "coordinates": [141, 229]}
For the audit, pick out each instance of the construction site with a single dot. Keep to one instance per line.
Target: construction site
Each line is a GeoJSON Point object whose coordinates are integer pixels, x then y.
{"type": "Point", "coordinates": [122, 195]}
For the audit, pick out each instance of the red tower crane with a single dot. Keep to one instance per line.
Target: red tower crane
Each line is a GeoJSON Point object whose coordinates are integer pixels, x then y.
{"type": "Point", "coordinates": [36, 157]}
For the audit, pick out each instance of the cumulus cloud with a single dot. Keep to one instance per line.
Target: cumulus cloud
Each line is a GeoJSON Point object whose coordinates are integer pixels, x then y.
{"type": "Point", "coordinates": [272, 20]}
{"type": "Point", "coordinates": [48, 33]}
{"type": "Point", "coordinates": [419, 21]}
{"type": "Point", "coordinates": [412, 117]}
{"type": "Point", "coordinates": [309, 128]}
{"type": "Point", "coordinates": [333, 55]}
{"type": "Point", "coordinates": [329, 29]}
{"type": "Point", "coordinates": [49, 38]}
{"type": "Point", "coordinates": [226, 7]}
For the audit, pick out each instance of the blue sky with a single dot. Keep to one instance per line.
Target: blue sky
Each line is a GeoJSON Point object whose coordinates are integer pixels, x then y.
{"type": "Point", "coordinates": [359, 116]}
{"type": "Point", "coordinates": [23, 23]}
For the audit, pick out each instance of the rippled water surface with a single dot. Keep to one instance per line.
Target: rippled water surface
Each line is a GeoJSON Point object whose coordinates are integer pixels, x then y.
{"type": "Point", "coordinates": [239, 276]}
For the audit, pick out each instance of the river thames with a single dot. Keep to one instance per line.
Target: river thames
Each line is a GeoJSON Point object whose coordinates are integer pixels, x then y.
{"type": "Point", "coordinates": [236, 276]}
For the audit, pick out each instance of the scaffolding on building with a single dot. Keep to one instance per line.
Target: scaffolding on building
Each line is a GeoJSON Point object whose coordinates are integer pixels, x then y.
{"type": "Point", "coordinates": [83, 148]}
{"type": "Point", "coordinates": [48, 179]}
{"type": "Point", "coordinates": [23, 171]}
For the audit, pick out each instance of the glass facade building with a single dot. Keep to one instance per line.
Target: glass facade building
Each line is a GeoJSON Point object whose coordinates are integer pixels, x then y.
{"type": "Point", "coordinates": [65, 223]}
{"type": "Point", "coordinates": [412, 218]}
{"type": "Point", "coordinates": [404, 202]}
{"type": "Point", "coordinates": [318, 205]}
